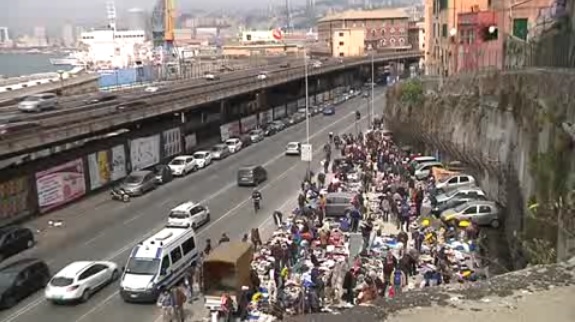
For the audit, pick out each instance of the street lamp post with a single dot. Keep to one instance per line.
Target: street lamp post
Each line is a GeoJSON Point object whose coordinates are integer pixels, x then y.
{"type": "Point", "coordinates": [371, 116]}
{"type": "Point", "coordinates": [305, 58]}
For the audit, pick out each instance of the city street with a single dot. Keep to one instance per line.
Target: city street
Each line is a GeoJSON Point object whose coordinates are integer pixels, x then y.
{"type": "Point", "coordinates": [108, 230]}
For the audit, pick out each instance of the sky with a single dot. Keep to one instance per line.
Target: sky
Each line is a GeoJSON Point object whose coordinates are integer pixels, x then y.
{"type": "Point", "coordinates": [25, 14]}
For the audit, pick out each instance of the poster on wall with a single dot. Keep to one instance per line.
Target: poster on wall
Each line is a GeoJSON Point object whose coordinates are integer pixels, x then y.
{"type": "Point", "coordinates": [191, 142]}
{"type": "Point", "coordinates": [118, 163]}
{"type": "Point", "coordinates": [279, 112]}
{"type": "Point", "coordinates": [60, 185]}
{"type": "Point", "coordinates": [14, 197]}
{"type": "Point", "coordinates": [172, 142]}
{"type": "Point", "coordinates": [229, 130]}
{"type": "Point", "coordinates": [99, 169]}
{"type": "Point", "coordinates": [301, 103]}
{"type": "Point", "coordinates": [145, 152]}
{"type": "Point", "coordinates": [249, 123]}
{"type": "Point", "coordinates": [266, 117]}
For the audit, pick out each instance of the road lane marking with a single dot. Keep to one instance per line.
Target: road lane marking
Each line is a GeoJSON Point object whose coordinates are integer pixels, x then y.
{"type": "Point", "coordinates": [30, 306]}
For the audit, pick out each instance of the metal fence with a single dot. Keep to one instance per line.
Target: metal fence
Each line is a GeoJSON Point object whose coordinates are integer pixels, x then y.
{"type": "Point", "coordinates": [554, 49]}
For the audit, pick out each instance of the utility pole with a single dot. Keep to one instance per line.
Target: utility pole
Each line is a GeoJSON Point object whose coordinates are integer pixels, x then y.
{"type": "Point", "coordinates": [306, 149]}
{"type": "Point", "coordinates": [371, 116]}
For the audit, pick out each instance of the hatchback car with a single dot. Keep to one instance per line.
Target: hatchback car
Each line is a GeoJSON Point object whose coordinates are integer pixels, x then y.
{"type": "Point", "coordinates": [483, 213]}
{"type": "Point", "coordinates": [183, 164]}
{"type": "Point", "coordinates": [80, 280]}
{"type": "Point", "coordinates": [189, 214]}
{"type": "Point", "coordinates": [251, 175]}
{"type": "Point", "coordinates": [454, 182]}
{"type": "Point", "coordinates": [14, 240]}
{"type": "Point", "coordinates": [293, 148]}
{"type": "Point", "coordinates": [338, 204]}
{"type": "Point", "coordinates": [456, 194]}
{"type": "Point", "coordinates": [203, 158]}
{"type": "Point", "coordinates": [138, 183]}
{"type": "Point", "coordinates": [257, 135]}
{"type": "Point", "coordinates": [39, 102]}
{"type": "Point", "coordinates": [220, 151]}
{"type": "Point", "coordinates": [234, 144]}
{"type": "Point", "coordinates": [21, 279]}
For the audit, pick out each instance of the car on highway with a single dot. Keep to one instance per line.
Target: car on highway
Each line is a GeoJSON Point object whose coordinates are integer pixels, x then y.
{"type": "Point", "coordinates": [152, 89]}
{"type": "Point", "coordinates": [138, 183]}
{"type": "Point", "coordinates": [203, 158]}
{"type": "Point", "coordinates": [78, 281]}
{"type": "Point", "coordinates": [15, 239]}
{"type": "Point", "coordinates": [317, 64]}
{"type": "Point", "coordinates": [234, 144]}
{"type": "Point", "coordinates": [183, 164]}
{"type": "Point", "coordinates": [285, 65]}
{"type": "Point", "coordinates": [220, 151]}
{"type": "Point", "coordinates": [189, 215]}
{"type": "Point", "coordinates": [7, 129]}
{"type": "Point", "coordinates": [257, 135]}
{"type": "Point", "coordinates": [159, 261]}
{"type": "Point", "coordinates": [211, 77]}
{"type": "Point", "coordinates": [21, 279]}
{"type": "Point", "coordinates": [454, 181]}
{"type": "Point", "coordinates": [101, 98]}
{"type": "Point", "coordinates": [251, 175]}
{"type": "Point", "coordinates": [163, 173]}
{"type": "Point", "coordinates": [131, 105]}
{"type": "Point", "coordinates": [328, 110]}
{"type": "Point", "coordinates": [262, 76]}
{"type": "Point", "coordinates": [481, 212]}
{"type": "Point", "coordinates": [293, 148]}
{"type": "Point", "coordinates": [39, 102]}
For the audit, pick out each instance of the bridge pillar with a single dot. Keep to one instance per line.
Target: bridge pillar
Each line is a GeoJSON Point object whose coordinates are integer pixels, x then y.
{"type": "Point", "coordinates": [223, 112]}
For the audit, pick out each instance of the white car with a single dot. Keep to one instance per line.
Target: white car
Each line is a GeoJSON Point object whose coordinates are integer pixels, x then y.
{"type": "Point", "coordinates": [203, 158]}
{"type": "Point", "coordinates": [151, 89]}
{"type": "Point", "coordinates": [423, 170]}
{"type": "Point", "coordinates": [262, 76]}
{"type": "Point", "coordinates": [189, 214]}
{"type": "Point", "coordinates": [293, 148]}
{"type": "Point", "coordinates": [211, 77]}
{"type": "Point", "coordinates": [182, 165]}
{"type": "Point", "coordinates": [454, 182]}
{"type": "Point", "coordinates": [80, 280]}
{"type": "Point", "coordinates": [234, 144]}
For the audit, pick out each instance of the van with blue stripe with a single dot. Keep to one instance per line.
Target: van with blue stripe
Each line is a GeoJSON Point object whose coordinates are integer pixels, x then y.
{"type": "Point", "coordinates": [158, 262]}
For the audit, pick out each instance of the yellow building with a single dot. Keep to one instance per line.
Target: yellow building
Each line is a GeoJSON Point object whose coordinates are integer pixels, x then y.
{"type": "Point", "coordinates": [348, 42]}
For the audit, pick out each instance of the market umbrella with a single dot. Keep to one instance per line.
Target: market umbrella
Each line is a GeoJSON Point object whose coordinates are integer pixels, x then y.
{"type": "Point", "coordinates": [464, 224]}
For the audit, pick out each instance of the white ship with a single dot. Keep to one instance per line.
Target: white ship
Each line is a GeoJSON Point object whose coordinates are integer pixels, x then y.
{"type": "Point", "coordinates": [70, 60]}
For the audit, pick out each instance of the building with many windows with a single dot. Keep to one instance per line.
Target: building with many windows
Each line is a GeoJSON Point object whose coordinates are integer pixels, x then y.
{"type": "Point", "coordinates": [382, 29]}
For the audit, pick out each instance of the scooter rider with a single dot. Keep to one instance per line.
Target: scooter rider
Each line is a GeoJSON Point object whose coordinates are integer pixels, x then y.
{"type": "Point", "coordinates": [256, 198]}
{"type": "Point", "coordinates": [330, 137]}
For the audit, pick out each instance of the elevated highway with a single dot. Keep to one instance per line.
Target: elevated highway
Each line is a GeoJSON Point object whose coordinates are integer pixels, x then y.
{"type": "Point", "coordinates": [89, 120]}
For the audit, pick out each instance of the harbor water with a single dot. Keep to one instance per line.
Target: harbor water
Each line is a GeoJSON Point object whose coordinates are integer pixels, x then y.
{"type": "Point", "coordinates": [19, 64]}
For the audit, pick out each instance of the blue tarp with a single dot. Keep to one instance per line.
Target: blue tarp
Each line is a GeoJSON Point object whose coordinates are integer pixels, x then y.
{"type": "Point", "coordinates": [125, 76]}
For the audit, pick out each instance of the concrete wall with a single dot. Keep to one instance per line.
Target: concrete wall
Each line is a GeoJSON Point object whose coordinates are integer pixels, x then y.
{"type": "Point", "coordinates": [499, 123]}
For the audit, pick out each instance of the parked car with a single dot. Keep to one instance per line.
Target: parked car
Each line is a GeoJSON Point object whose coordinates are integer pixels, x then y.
{"type": "Point", "coordinates": [452, 203]}
{"type": "Point", "coordinates": [15, 239]}
{"type": "Point", "coordinates": [21, 279]}
{"type": "Point", "coordinates": [328, 110]}
{"type": "Point", "coordinates": [78, 281]}
{"type": "Point", "coordinates": [455, 181]}
{"type": "Point", "coordinates": [269, 129]}
{"type": "Point", "coordinates": [481, 212]}
{"type": "Point", "coordinates": [189, 214]}
{"type": "Point", "coordinates": [246, 140]}
{"type": "Point", "coordinates": [256, 135]}
{"type": "Point", "coordinates": [279, 125]}
{"type": "Point", "coordinates": [39, 102]}
{"type": "Point", "coordinates": [163, 173]}
{"type": "Point", "coordinates": [220, 151]}
{"type": "Point", "coordinates": [338, 204]}
{"type": "Point", "coordinates": [293, 148]}
{"type": "Point", "coordinates": [424, 170]}
{"type": "Point", "coordinates": [462, 192]}
{"type": "Point", "coordinates": [251, 175]}
{"type": "Point", "coordinates": [183, 164]}
{"type": "Point", "coordinates": [203, 158]}
{"type": "Point", "coordinates": [138, 183]}
{"type": "Point", "coordinates": [234, 144]}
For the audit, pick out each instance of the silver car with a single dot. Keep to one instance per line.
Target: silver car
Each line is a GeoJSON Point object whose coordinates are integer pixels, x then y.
{"type": "Point", "coordinates": [138, 183]}
{"type": "Point", "coordinates": [256, 135]}
{"type": "Point", "coordinates": [483, 213]}
{"type": "Point", "coordinates": [38, 102]}
{"type": "Point", "coordinates": [220, 151]}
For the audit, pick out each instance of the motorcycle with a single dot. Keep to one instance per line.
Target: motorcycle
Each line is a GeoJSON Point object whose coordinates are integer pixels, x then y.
{"type": "Point", "coordinates": [120, 195]}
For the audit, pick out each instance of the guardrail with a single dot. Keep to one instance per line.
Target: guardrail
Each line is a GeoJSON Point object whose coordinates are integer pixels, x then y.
{"type": "Point", "coordinates": [96, 120]}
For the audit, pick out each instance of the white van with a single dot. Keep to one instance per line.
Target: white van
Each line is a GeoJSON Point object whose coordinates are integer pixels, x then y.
{"type": "Point", "coordinates": [158, 262]}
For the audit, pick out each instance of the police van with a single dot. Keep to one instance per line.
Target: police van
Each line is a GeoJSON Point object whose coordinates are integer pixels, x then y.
{"type": "Point", "coordinates": [158, 262]}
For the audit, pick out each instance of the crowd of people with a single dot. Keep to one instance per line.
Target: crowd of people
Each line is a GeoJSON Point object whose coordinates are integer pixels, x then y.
{"type": "Point", "coordinates": [378, 246]}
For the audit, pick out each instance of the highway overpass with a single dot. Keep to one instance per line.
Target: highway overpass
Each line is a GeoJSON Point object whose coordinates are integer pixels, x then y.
{"type": "Point", "coordinates": [73, 123]}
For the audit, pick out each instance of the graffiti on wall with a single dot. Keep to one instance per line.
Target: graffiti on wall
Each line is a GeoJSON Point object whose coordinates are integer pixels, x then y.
{"type": "Point", "coordinates": [172, 142]}
{"type": "Point", "coordinates": [145, 152]}
{"type": "Point", "coordinates": [118, 163]}
{"type": "Point", "coordinates": [60, 185]}
{"type": "Point", "coordinates": [14, 198]}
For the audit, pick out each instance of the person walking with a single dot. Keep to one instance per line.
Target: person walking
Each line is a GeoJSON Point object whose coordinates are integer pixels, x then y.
{"type": "Point", "coordinates": [166, 304]}
{"type": "Point", "coordinates": [179, 300]}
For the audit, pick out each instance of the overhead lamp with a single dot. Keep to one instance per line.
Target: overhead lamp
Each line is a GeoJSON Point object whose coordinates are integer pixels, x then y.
{"type": "Point", "coordinates": [453, 32]}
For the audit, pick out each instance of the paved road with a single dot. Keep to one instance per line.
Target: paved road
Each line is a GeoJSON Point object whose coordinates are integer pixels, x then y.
{"type": "Point", "coordinates": [108, 230]}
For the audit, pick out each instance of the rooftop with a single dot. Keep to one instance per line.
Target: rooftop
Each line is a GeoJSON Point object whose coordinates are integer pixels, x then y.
{"type": "Point", "coordinates": [366, 15]}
